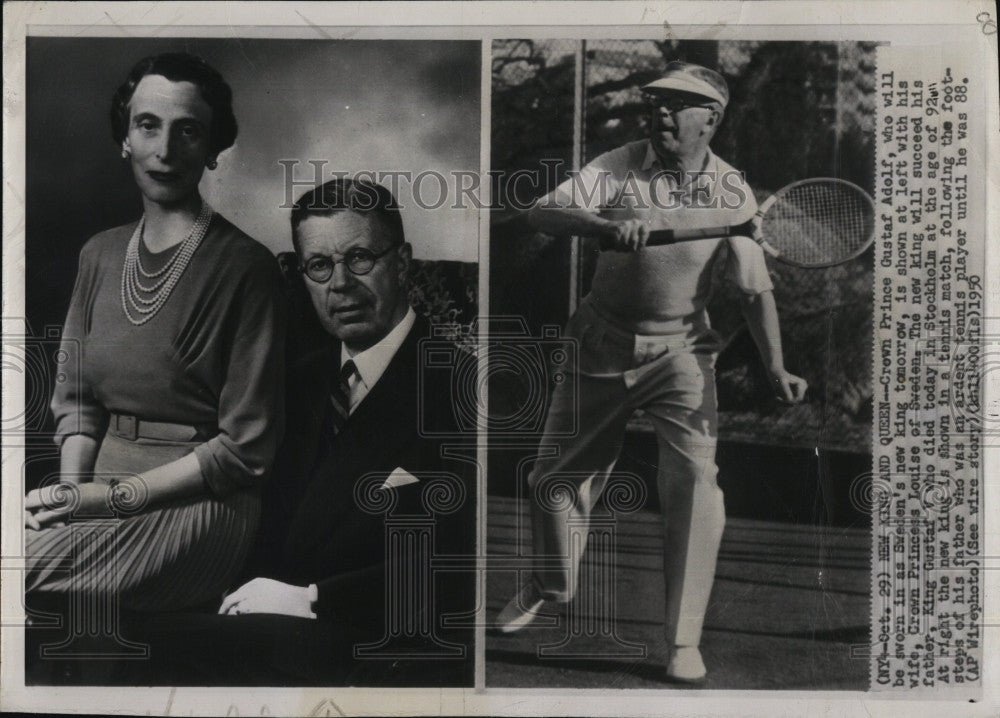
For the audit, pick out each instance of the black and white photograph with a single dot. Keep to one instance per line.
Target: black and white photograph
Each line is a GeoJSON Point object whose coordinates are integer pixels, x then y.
{"type": "Point", "coordinates": [500, 358]}
{"type": "Point", "coordinates": [242, 484]}
{"type": "Point", "coordinates": [688, 510]}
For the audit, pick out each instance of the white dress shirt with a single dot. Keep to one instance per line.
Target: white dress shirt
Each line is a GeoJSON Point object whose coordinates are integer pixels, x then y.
{"type": "Point", "coordinates": [371, 363]}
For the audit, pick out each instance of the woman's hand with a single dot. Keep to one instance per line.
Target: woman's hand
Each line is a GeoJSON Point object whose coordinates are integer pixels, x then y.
{"type": "Point", "coordinates": [96, 500]}
{"type": "Point", "coordinates": [31, 522]}
{"type": "Point", "coordinates": [54, 504]}
{"type": "Point", "coordinates": [49, 505]}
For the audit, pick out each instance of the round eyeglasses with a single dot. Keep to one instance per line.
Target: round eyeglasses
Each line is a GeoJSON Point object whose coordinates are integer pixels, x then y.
{"type": "Point", "coordinates": [358, 260]}
{"type": "Point", "coordinates": [672, 104]}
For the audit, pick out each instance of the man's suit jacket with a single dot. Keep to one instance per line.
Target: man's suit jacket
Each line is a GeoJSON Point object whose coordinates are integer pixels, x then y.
{"type": "Point", "coordinates": [313, 528]}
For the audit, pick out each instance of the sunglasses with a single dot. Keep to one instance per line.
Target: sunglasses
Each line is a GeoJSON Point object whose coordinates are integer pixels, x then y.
{"type": "Point", "coordinates": [672, 104]}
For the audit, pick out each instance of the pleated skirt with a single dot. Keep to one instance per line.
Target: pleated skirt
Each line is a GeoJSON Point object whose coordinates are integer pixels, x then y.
{"type": "Point", "coordinates": [171, 557]}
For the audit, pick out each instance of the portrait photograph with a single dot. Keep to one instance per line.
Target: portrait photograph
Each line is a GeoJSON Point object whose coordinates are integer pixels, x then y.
{"type": "Point", "coordinates": [238, 253]}
{"type": "Point", "coordinates": [611, 453]}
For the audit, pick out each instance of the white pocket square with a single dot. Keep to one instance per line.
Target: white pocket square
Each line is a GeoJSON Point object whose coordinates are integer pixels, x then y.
{"type": "Point", "coordinates": [399, 477]}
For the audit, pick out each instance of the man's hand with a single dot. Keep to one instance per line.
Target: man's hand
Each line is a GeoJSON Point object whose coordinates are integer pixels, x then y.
{"type": "Point", "coordinates": [265, 595]}
{"type": "Point", "coordinates": [789, 388]}
{"type": "Point", "coordinates": [626, 236]}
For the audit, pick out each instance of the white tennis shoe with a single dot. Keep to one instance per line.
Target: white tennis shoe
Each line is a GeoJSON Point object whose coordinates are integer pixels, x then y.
{"type": "Point", "coordinates": [685, 665]}
{"type": "Point", "coordinates": [522, 609]}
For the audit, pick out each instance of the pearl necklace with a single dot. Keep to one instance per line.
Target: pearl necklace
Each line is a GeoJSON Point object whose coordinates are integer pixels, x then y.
{"type": "Point", "coordinates": [140, 302]}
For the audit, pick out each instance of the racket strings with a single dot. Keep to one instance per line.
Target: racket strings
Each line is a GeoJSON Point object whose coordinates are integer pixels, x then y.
{"type": "Point", "coordinates": [819, 222]}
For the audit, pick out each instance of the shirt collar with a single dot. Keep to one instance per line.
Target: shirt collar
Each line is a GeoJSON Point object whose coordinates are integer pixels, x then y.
{"type": "Point", "coordinates": [652, 158]}
{"type": "Point", "coordinates": [373, 361]}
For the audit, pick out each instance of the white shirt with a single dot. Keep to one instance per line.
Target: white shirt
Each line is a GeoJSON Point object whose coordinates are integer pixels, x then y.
{"type": "Point", "coordinates": [371, 364]}
{"type": "Point", "coordinates": [664, 290]}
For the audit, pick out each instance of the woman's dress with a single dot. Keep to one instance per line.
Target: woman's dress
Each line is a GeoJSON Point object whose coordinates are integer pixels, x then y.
{"type": "Point", "coordinates": [204, 375]}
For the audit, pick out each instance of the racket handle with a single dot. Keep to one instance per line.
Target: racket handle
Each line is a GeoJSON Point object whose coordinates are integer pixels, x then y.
{"type": "Point", "coordinates": [661, 237]}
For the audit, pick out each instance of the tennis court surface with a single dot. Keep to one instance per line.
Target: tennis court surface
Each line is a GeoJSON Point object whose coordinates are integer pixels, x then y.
{"type": "Point", "coordinates": [789, 609]}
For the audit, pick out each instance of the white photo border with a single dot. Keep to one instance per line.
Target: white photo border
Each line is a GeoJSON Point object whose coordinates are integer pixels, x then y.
{"type": "Point", "coordinates": [904, 23]}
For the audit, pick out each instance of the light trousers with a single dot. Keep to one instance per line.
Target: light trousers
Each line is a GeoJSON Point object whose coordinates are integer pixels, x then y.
{"type": "Point", "coordinates": [671, 378]}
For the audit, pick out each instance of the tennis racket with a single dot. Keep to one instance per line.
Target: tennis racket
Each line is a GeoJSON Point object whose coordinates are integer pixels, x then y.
{"type": "Point", "coordinates": [810, 223]}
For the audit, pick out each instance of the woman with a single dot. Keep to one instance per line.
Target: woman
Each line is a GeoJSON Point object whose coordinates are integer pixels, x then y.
{"type": "Point", "coordinates": [170, 419]}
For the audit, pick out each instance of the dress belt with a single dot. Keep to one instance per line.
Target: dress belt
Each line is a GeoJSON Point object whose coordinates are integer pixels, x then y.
{"type": "Point", "coordinates": [132, 428]}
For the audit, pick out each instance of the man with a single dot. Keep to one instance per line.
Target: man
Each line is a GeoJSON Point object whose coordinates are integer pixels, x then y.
{"type": "Point", "coordinates": [356, 456]}
{"type": "Point", "coordinates": [645, 343]}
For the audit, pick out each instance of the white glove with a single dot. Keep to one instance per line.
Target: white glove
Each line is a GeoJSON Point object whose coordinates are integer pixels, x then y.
{"type": "Point", "coordinates": [265, 595]}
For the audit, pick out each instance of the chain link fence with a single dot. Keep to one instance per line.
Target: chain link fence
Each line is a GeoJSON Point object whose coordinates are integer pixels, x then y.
{"type": "Point", "coordinates": [797, 110]}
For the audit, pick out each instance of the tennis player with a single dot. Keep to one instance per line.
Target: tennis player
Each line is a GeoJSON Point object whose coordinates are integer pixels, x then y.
{"type": "Point", "coordinates": [645, 343]}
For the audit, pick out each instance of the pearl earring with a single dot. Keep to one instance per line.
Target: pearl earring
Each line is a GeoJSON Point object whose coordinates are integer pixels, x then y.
{"type": "Point", "coordinates": [212, 163]}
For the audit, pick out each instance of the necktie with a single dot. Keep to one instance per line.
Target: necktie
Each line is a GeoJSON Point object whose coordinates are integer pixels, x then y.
{"type": "Point", "coordinates": [340, 397]}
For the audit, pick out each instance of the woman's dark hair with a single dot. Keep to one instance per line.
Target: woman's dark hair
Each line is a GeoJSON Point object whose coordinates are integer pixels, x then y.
{"type": "Point", "coordinates": [180, 67]}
